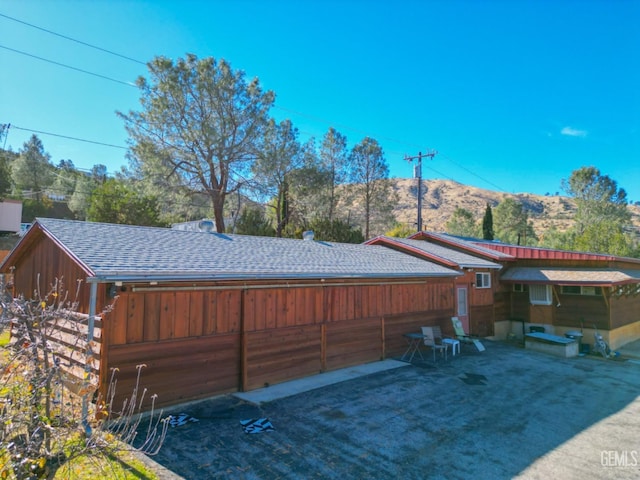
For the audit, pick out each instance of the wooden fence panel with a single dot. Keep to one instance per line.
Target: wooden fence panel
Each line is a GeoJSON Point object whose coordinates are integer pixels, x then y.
{"type": "Point", "coordinates": [179, 370]}
{"type": "Point", "coordinates": [396, 326]}
{"type": "Point", "coordinates": [274, 356]}
{"type": "Point", "coordinates": [353, 342]}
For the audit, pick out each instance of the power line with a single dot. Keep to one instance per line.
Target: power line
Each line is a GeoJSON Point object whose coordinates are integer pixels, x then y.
{"type": "Point", "coordinates": [68, 137]}
{"type": "Point", "coordinates": [475, 174]}
{"type": "Point", "coordinates": [275, 106]}
{"type": "Point", "coordinates": [73, 39]}
{"type": "Point", "coordinates": [129, 84]}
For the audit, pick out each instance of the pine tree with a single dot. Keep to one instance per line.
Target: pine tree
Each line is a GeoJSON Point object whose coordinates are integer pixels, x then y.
{"type": "Point", "coordinates": [487, 224]}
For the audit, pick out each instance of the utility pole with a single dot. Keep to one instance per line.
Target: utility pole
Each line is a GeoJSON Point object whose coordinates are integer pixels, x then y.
{"type": "Point", "coordinates": [417, 173]}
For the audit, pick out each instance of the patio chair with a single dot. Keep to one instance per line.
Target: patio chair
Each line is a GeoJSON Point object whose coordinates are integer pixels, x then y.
{"type": "Point", "coordinates": [463, 337]}
{"type": "Point", "coordinates": [434, 342]}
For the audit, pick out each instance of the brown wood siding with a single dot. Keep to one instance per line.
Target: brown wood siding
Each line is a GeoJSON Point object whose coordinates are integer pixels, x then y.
{"type": "Point", "coordinates": [140, 317]}
{"type": "Point", "coordinates": [501, 306]}
{"type": "Point", "coordinates": [179, 370]}
{"type": "Point", "coordinates": [276, 355]}
{"type": "Point", "coordinates": [288, 332]}
{"type": "Point", "coordinates": [481, 320]}
{"type": "Point", "coordinates": [520, 305]}
{"type": "Point", "coordinates": [43, 265]}
{"type": "Point", "coordinates": [481, 296]}
{"type": "Point", "coordinates": [591, 310]}
{"type": "Point", "coordinates": [395, 327]}
{"type": "Point", "coordinates": [353, 342]}
{"type": "Point", "coordinates": [624, 310]}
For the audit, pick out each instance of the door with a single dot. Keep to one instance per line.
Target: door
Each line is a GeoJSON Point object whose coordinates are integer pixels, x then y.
{"type": "Point", "coordinates": [462, 307]}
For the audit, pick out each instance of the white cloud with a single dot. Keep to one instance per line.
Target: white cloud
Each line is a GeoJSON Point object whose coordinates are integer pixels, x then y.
{"type": "Point", "coordinates": [573, 132]}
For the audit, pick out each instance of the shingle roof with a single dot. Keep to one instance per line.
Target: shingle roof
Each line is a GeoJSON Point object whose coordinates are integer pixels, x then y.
{"type": "Point", "coordinates": [437, 252]}
{"type": "Point", "coordinates": [127, 252]}
{"type": "Point", "coordinates": [467, 244]}
{"type": "Point", "coordinates": [570, 276]}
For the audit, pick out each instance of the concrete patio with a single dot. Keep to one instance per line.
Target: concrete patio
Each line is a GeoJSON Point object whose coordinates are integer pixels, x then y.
{"type": "Point", "coordinates": [502, 413]}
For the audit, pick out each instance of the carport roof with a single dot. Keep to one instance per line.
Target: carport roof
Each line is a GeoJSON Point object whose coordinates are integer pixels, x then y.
{"type": "Point", "coordinates": [570, 276]}
{"type": "Point", "coordinates": [134, 253]}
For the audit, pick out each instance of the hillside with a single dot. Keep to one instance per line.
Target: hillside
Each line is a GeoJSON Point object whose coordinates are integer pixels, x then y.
{"type": "Point", "coordinates": [442, 197]}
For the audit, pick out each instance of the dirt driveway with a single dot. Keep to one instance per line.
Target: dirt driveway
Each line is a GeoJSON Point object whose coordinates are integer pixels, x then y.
{"type": "Point", "coordinates": [502, 413]}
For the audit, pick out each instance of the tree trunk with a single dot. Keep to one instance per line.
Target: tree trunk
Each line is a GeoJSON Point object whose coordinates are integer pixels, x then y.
{"type": "Point", "coordinates": [217, 201]}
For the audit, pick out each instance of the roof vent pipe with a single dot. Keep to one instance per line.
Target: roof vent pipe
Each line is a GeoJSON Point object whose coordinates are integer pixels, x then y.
{"type": "Point", "coordinates": [206, 225]}
{"type": "Point", "coordinates": [307, 235]}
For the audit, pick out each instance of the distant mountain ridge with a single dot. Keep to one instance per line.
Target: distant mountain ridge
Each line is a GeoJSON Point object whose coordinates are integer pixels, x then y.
{"type": "Point", "coordinates": [440, 198]}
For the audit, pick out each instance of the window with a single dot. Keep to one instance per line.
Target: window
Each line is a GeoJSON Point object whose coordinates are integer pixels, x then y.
{"type": "Point", "coordinates": [520, 287]}
{"type": "Point", "coordinates": [540, 294]}
{"type": "Point", "coordinates": [570, 290]}
{"type": "Point", "coordinates": [577, 290]}
{"type": "Point", "coordinates": [483, 280]}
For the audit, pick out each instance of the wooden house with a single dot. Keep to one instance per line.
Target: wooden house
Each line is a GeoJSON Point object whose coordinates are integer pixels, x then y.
{"type": "Point", "coordinates": [475, 287]}
{"type": "Point", "coordinates": [210, 313]}
{"type": "Point", "coordinates": [560, 291]}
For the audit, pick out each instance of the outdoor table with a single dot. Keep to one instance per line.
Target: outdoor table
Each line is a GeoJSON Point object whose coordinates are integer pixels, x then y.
{"type": "Point", "coordinates": [454, 344]}
{"type": "Point", "coordinates": [414, 340]}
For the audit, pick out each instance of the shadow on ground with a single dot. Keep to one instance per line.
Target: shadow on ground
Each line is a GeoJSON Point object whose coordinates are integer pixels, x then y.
{"type": "Point", "coordinates": [502, 413]}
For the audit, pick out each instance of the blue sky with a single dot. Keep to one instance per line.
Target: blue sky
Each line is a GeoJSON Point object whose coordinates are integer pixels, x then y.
{"type": "Point", "coordinates": [514, 95]}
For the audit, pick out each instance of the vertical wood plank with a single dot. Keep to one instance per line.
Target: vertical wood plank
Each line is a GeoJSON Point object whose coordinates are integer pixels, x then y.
{"type": "Point", "coordinates": [300, 305]}
{"type": "Point", "coordinates": [196, 314]}
{"type": "Point", "coordinates": [319, 305]}
{"type": "Point", "coordinates": [261, 307]}
{"type": "Point", "coordinates": [167, 315]}
{"type": "Point", "coordinates": [281, 308]}
{"type": "Point", "coordinates": [270, 309]}
{"type": "Point", "coordinates": [209, 313]}
{"type": "Point", "coordinates": [291, 307]}
{"type": "Point", "coordinates": [118, 321]}
{"type": "Point", "coordinates": [249, 311]}
{"type": "Point", "coordinates": [135, 315]}
{"type": "Point", "coordinates": [235, 310]}
{"type": "Point", "coordinates": [222, 312]}
{"type": "Point", "coordinates": [151, 316]}
{"type": "Point", "coordinates": [351, 302]}
{"type": "Point", "coordinates": [181, 319]}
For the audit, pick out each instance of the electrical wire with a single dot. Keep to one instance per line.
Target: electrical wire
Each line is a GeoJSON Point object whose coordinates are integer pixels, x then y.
{"type": "Point", "coordinates": [129, 84]}
{"type": "Point", "coordinates": [68, 137]}
{"type": "Point", "coordinates": [72, 39]}
{"type": "Point", "coordinates": [475, 174]}
{"type": "Point", "coordinates": [312, 117]}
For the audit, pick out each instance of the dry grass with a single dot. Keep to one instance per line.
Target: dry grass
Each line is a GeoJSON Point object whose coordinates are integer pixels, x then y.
{"type": "Point", "coordinates": [122, 466]}
{"type": "Point", "coordinates": [442, 197]}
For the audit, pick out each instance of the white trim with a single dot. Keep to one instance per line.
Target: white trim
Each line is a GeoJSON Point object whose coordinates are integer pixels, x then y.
{"type": "Point", "coordinates": [483, 280]}
{"type": "Point", "coordinates": [540, 294]}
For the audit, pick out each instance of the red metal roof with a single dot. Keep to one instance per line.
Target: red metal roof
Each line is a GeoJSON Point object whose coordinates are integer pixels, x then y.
{"type": "Point", "coordinates": [522, 252]}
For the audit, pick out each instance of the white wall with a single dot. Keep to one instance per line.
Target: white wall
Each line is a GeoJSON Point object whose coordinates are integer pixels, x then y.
{"type": "Point", "coordinates": [10, 216]}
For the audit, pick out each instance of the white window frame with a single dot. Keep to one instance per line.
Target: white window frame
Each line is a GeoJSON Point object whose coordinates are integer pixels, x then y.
{"type": "Point", "coordinates": [483, 280]}
{"type": "Point", "coordinates": [540, 294]}
{"type": "Point", "coordinates": [584, 290]}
